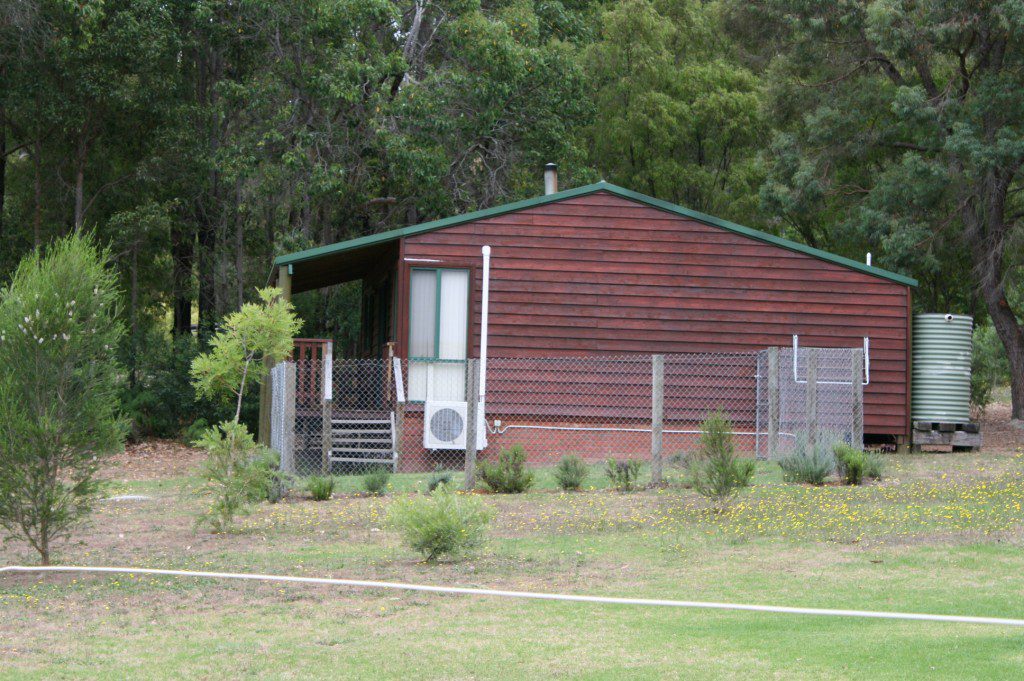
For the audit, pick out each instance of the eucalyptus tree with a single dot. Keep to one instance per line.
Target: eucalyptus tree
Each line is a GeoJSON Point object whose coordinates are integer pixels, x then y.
{"type": "Point", "coordinates": [677, 117]}
{"type": "Point", "coordinates": [905, 124]}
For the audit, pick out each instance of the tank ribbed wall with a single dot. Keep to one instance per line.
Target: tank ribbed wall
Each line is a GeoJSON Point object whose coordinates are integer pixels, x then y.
{"type": "Point", "coordinates": [942, 368]}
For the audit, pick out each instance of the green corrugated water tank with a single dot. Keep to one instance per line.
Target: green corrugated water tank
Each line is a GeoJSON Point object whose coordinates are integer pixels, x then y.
{"type": "Point", "coordinates": [941, 388]}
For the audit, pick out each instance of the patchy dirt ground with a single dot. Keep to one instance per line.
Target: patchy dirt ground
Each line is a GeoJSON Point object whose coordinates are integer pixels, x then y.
{"type": "Point", "coordinates": [999, 433]}
{"type": "Point", "coordinates": [151, 460]}
{"type": "Point", "coordinates": [942, 533]}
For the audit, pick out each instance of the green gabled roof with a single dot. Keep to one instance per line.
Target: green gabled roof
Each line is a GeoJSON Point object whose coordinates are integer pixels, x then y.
{"type": "Point", "coordinates": [395, 234]}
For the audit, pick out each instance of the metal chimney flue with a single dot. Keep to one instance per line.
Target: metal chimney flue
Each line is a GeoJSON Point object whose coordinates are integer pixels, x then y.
{"type": "Point", "coordinates": [550, 178]}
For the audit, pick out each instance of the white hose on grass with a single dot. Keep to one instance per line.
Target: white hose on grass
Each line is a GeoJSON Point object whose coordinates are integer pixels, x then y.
{"type": "Point", "coordinates": [609, 600]}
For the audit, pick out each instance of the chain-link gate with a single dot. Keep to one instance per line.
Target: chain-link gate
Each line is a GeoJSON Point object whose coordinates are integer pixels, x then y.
{"type": "Point", "coordinates": [808, 394]}
{"type": "Point", "coordinates": [413, 416]}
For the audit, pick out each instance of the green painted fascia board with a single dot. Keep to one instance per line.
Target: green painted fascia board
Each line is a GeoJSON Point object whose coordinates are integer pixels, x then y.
{"type": "Point", "coordinates": [395, 234]}
{"type": "Point", "coordinates": [764, 236]}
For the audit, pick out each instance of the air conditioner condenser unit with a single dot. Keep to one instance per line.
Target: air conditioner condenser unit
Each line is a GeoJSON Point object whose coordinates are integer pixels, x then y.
{"type": "Point", "coordinates": [444, 426]}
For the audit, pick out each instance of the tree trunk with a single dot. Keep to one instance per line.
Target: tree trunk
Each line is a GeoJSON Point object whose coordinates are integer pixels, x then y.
{"type": "Point", "coordinates": [37, 213]}
{"type": "Point", "coordinates": [1007, 328]}
{"type": "Point", "coordinates": [3, 168]}
{"type": "Point", "coordinates": [239, 245]}
{"type": "Point", "coordinates": [986, 231]}
{"type": "Point", "coordinates": [182, 255]}
{"type": "Point", "coordinates": [80, 157]}
{"type": "Point", "coordinates": [207, 265]}
{"type": "Point", "coordinates": [133, 318]}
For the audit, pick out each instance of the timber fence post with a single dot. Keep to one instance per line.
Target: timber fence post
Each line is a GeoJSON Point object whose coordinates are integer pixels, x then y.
{"type": "Point", "coordinates": [657, 416]}
{"type": "Point", "coordinates": [288, 436]}
{"type": "Point", "coordinates": [857, 385]}
{"type": "Point", "coordinates": [327, 392]}
{"type": "Point", "coordinates": [773, 402]}
{"type": "Point", "coordinates": [811, 411]}
{"type": "Point", "coordinates": [472, 406]}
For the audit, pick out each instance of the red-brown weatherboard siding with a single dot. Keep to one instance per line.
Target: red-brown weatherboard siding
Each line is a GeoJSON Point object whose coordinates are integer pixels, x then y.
{"type": "Point", "coordinates": [603, 275]}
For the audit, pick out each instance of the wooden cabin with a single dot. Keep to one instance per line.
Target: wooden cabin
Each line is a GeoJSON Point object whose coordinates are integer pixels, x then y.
{"type": "Point", "coordinates": [602, 270]}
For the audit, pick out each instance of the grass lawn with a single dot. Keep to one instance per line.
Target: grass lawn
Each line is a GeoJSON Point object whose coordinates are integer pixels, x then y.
{"type": "Point", "coordinates": [942, 534]}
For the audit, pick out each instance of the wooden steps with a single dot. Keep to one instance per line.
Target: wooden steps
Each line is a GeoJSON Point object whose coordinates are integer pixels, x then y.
{"type": "Point", "coordinates": [363, 438]}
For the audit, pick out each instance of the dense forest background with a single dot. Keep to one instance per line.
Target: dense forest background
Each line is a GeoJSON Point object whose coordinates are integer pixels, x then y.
{"type": "Point", "coordinates": [199, 138]}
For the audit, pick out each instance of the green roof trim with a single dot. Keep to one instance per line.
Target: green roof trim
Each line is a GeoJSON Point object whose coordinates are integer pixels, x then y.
{"type": "Point", "coordinates": [395, 234]}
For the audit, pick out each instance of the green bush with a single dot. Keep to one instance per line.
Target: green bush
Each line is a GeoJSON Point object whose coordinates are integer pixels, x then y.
{"type": "Point", "coordinates": [59, 388]}
{"type": "Point", "coordinates": [320, 487]}
{"type": "Point", "coordinates": [623, 475]}
{"type": "Point", "coordinates": [439, 477]}
{"type": "Point", "coordinates": [716, 471]}
{"type": "Point", "coordinates": [850, 463]}
{"type": "Point", "coordinates": [267, 468]}
{"type": "Point", "coordinates": [874, 466]}
{"type": "Point", "coordinates": [810, 464]}
{"type": "Point", "coordinates": [236, 473]}
{"type": "Point", "coordinates": [376, 482]}
{"type": "Point", "coordinates": [441, 524]}
{"type": "Point", "coordinates": [571, 472]}
{"type": "Point", "coordinates": [158, 397]}
{"type": "Point", "coordinates": [989, 366]}
{"type": "Point", "coordinates": [195, 430]}
{"type": "Point", "coordinates": [509, 475]}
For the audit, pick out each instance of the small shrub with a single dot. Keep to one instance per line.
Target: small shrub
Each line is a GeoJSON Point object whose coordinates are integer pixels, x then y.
{"type": "Point", "coordinates": [570, 473]}
{"type": "Point", "coordinates": [441, 524]}
{"type": "Point", "coordinates": [850, 463]}
{"type": "Point", "coordinates": [320, 487]}
{"type": "Point", "coordinates": [376, 482]}
{"type": "Point", "coordinates": [715, 470]}
{"type": "Point", "coordinates": [269, 482]}
{"type": "Point", "coordinates": [509, 475]}
{"type": "Point", "coordinates": [236, 474]}
{"type": "Point", "coordinates": [809, 464]}
{"type": "Point", "coordinates": [623, 474]}
{"type": "Point", "coordinates": [439, 477]}
{"type": "Point", "coordinates": [874, 466]}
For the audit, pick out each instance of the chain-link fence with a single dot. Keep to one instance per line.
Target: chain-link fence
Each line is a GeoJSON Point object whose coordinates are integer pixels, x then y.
{"type": "Point", "coordinates": [807, 395]}
{"type": "Point", "coordinates": [414, 416]}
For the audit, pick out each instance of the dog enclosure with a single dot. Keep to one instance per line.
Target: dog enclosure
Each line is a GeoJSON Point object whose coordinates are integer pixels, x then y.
{"type": "Point", "coordinates": [415, 416]}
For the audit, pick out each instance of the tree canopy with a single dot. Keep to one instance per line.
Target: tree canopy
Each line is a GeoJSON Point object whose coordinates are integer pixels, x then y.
{"type": "Point", "coordinates": [199, 138]}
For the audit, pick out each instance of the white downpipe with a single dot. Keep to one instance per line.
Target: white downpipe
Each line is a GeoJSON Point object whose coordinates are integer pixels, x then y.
{"type": "Point", "coordinates": [485, 302]}
{"type": "Point", "coordinates": [533, 595]}
{"type": "Point", "coordinates": [867, 361]}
